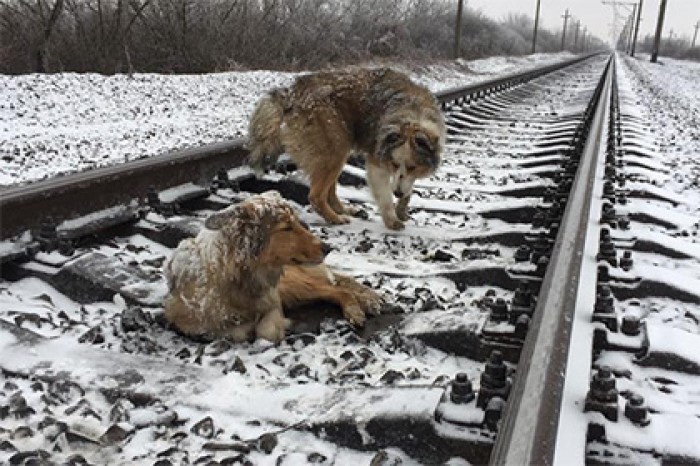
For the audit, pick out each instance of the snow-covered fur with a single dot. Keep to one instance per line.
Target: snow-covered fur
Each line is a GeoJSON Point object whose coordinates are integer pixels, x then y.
{"type": "Point", "coordinates": [226, 281]}
{"type": "Point", "coordinates": [324, 117]}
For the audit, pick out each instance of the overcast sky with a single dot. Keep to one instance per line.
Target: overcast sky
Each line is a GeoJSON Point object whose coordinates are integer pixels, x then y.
{"type": "Point", "coordinates": [681, 15]}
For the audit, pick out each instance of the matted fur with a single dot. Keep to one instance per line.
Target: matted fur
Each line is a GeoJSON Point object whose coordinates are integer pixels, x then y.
{"type": "Point", "coordinates": [251, 260]}
{"type": "Point", "coordinates": [324, 117]}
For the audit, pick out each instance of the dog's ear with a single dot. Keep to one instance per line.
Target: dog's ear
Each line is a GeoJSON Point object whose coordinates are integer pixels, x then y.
{"type": "Point", "coordinates": [426, 149]}
{"type": "Point", "coordinates": [218, 220]}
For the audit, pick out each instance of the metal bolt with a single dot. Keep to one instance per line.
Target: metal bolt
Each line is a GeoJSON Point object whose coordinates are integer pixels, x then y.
{"type": "Point", "coordinates": [549, 194]}
{"type": "Point", "coordinates": [499, 310]}
{"type": "Point", "coordinates": [630, 325]}
{"type": "Point", "coordinates": [542, 264]}
{"type": "Point", "coordinates": [522, 324]}
{"type": "Point", "coordinates": [624, 222]}
{"type": "Point", "coordinates": [495, 373]}
{"type": "Point", "coordinates": [604, 309]}
{"type": "Point", "coordinates": [522, 296]}
{"type": "Point", "coordinates": [494, 381]}
{"type": "Point", "coordinates": [607, 251]}
{"type": "Point", "coordinates": [608, 213]}
{"type": "Point", "coordinates": [493, 413]}
{"type": "Point", "coordinates": [152, 197]}
{"type": "Point", "coordinates": [538, 219]}
{"type": "Point", "coordinates": [602, 394]}
{"type": "Point", "coordinates": [608, 188]}
{"type": "Point", "coordinates": [540, 248]}
{"type": "Point", "coordinates": [610, 174]}
{"type": "Point", "coordinates": [522, 254]}
{"type": "Point", "coordinates": [636, 411]}
{"type": "Point", "coordinates": [461, 391]}
{"type": "Point", "coordinates": [48, 234]}
{"type": "Point", "coordinates": [626, 260]}
{"type": "Point", "coordinates": [604, 300]}
{"type": "Point", "coordinates": [553, 230]}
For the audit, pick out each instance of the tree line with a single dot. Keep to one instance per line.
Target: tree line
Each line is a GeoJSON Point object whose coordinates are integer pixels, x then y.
{"type": "Point", "coordinates": [194, 36]}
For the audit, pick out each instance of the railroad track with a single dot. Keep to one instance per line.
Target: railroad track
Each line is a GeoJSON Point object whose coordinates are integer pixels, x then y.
{"type": "Point", "coordinates": [538, 305]}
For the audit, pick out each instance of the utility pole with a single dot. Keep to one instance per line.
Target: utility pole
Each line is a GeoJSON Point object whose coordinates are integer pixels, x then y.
{"type": "Point", "coordinates": [458, 27]}
{"type": "Point", "coordinates": [616, 3]}
{"type": "Point", "coordinates": [537, 21]}
{"type": "Point", "coordinates": [659, 28]}
{"type": "Point", "coordinates": [695, 36]}
{"type": "Point", "coordinates": [578, 25]}
{"type": "Point", "coordinates": [631, 31]}
{"type": "Point", "coordinates": [584, 46]}
{"type": "Point", "coordinates": [566, 17]}
{"type": "Point", "coordinates": [636, 28]}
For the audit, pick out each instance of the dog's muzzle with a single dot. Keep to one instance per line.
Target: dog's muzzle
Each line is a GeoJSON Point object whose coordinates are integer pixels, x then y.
{"type": "Point", "coordinates": [398, 193]}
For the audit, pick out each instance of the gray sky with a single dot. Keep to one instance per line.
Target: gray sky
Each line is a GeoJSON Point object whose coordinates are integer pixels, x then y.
{"type": "Point", "coordinates": [681, 15]}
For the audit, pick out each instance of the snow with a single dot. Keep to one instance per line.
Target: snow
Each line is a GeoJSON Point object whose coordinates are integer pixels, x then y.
{"type": "Point", "coordinates": [53, 124]}
{"type": "Point", "coordinates": [56, 124]}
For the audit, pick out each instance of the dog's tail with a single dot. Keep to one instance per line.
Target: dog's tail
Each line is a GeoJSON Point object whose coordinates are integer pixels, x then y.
{"type": "Point", "coordinates": [264, 139]}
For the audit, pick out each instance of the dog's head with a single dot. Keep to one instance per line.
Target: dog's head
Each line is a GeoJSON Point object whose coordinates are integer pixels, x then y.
{"type": "Point", "coordinates": [264, 230]}
{"type": "Point", "coordinates": [409, 146]}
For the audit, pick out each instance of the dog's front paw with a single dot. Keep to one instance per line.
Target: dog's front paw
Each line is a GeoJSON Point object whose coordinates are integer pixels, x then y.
{"type": "Point", "coordinates": [402, 213]}
{"type": "Point", "coordinates": [371, 302]}
{"type": "Point", "coordinates": [339, 219]}
{"type": "Point", "coordinates": [393, 223]}
{"type": "Point", "coordinates": [272, 329]}
{"type": "Point", "coordinates": [354, 314]}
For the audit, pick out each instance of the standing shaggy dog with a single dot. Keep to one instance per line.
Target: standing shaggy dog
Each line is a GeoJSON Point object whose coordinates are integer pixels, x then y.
{"type": "Point", "coordinates": [324, 117]}
{"type": "Point", "coordinates": [249, 262]}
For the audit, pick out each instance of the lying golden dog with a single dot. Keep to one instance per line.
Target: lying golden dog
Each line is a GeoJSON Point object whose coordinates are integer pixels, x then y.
{"type": "Point", "coordinates": [324, 117]}
{"type": "Point", "coordinates": [249, 262]}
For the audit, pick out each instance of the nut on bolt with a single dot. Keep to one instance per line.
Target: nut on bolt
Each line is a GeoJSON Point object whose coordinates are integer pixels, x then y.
{"type": "Point", "coordinates": [631, 325]}
{"type": "Point", "coordinates": [47, 235]}
{"type": "Point", "coordinates": [602, 394]}
{"type": "Point", "coordinates": [636, 411]}
{"type": "Point", "coordinates": [461, 389]}
{"type": "Point", "coordinates": [494, 380]}
{"type": "Point", "coordinates": [607, 252]}
{"type": "Point", "coordinates": [604, 309]}
{"type": "Point", "coordinates": [521, 326]}
{"type": "Point", "coordinates": [499, 310]}
{"type": "Point", "coordinates": [493, 413]}
{"type": "Point", "coordinates": [522, 254]}
{"type": "Point", "coordinates": [626, 261]}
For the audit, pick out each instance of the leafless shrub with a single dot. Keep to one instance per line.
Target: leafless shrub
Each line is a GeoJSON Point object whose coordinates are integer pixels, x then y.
{"type": "Point", "coordinates": [191, 36]}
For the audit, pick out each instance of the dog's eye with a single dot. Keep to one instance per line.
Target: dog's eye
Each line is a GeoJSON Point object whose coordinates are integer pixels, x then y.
{"type": "Point", "coordinates": [392, 138]}
{"type": "Point", "coordinates": [422, 142]}
{"type": "Point", "coordinates": [410, 169]}
{"type": "Point", "coordinates": [288, 227]}
{"type": "Point", "coordinates": [395, 166]}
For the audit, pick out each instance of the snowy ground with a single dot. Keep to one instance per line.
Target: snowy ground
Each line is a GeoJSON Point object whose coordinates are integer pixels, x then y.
{"type": "Point", "coordinates": [110, 116]}
{"type": "Point", "coordinates": [60, 123]}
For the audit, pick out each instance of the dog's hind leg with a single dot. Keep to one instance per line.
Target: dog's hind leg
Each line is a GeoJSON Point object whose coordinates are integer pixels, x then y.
{"type": "Point", "coordinates": [182, 317]}
{"type": "Point", "coordinates": [323, 181]}
{"type": "Point", "coordinates": [337, 205]}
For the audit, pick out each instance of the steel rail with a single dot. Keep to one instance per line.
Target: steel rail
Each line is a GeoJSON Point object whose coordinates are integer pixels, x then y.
{"type": "Point", "coordinates": [528, 431]}
{"type": "Point", "coordinates": [65, 197]}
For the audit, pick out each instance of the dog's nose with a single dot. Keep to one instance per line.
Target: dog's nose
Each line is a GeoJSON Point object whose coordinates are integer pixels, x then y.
{"type": "Point", "coordinates": [326, 248]}
{"type": "Point", "coordinates": [398, 193]}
